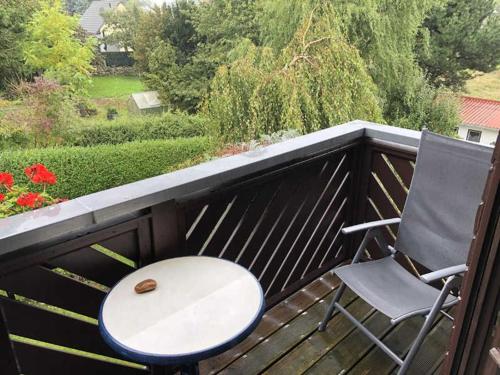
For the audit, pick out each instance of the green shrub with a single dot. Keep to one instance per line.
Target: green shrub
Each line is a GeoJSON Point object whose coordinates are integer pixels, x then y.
{"type": "Point", "coordinates": [86, 170]}
{"type": "Point", "coordinates": [168, 125]}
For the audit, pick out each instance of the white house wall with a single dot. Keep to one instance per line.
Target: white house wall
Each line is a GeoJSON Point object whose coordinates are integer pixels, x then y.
{"type": "Point", "coordinates": [488, 135]}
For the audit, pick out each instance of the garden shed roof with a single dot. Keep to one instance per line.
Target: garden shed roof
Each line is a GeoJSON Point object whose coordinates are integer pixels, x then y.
{"type": "Point", "coordinates": [92, 20]}
{"type": "Point", "coordinates": [147, 99]}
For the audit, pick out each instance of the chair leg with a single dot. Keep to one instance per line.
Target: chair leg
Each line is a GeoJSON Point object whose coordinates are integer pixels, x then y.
{"type": "Point", "coordinates": [331, 308]}
{"type": "Point", "coordinates": [436, 308]}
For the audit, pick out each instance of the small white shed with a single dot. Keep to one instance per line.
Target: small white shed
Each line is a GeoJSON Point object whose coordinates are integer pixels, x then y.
{"type": "Point", "coordinates": [145, 103]}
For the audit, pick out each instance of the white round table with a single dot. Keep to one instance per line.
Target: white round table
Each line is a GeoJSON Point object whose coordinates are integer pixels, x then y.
{"type": "Point", "coordinates": [201, 307]}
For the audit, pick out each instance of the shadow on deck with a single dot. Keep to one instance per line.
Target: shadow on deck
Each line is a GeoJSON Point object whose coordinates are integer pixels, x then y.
{"type": "Point", "coordinates": [287, 341]}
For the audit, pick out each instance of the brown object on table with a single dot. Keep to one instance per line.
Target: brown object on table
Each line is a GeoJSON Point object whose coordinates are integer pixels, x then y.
{"type": "Point", "coordinates": [145, 286]}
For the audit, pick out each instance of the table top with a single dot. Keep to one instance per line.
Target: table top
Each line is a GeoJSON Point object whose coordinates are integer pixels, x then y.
{"type": "Point", "coordinates": [201, 307]}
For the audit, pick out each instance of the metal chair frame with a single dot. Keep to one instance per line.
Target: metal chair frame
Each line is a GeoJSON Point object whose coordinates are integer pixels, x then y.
{"type": "Point", "coordinates": [450, 274]}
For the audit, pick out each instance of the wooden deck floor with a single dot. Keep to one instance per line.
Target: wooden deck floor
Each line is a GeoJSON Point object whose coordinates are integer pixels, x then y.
{"type": "Point", "coordinates": [287, 341]}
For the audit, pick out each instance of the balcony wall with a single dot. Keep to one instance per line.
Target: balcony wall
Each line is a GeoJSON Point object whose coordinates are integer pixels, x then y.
{"type": "Point", "coordinates": [277, 210]}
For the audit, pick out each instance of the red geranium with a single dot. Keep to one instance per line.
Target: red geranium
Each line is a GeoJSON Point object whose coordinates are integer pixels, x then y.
{"type": "Point", "coordinates": [32, 200]}
{"type": "Point", "coordinates": [2, 197]}
{"type": "Point", "coordinates": [39, 174]}
{"type": "Point", "coordinates": [6, 179]}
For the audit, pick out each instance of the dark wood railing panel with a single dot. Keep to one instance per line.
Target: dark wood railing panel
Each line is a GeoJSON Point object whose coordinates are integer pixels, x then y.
{"type": "Point", "coordinates": [55, 328]}
{"type": "Point", "coordinates": [46, 286]}
{"type": "Point", "coordinates": [389, 179]}
{"type": "Point", "coordinates": [282, 226]}
{"type": "Point", "coordinates": [52, 304]}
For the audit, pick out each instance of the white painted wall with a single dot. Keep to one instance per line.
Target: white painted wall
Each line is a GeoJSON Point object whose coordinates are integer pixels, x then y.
{"type": "Point", "coordinates": [488, 135]}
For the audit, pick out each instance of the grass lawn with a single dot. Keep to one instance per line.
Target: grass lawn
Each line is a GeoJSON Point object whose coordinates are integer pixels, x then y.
{"type": "Point", "coordinates": [485, 86]}
{"type": "Point", "coordinates": [115, 86]}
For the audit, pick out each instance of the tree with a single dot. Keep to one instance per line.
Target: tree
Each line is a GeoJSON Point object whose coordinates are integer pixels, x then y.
{"type": "Point", "coordinates": [180, 46]}
{"type": "Point", "coordinates": [77, 6]}
{"type": "Point", "coordinates": [385, 33]}
{"type": "Point", "coordinates": [221, 25]}
{"type": "Point", "coordinates": [122, 24]}
{"type": "Point", "coordinates": [45, 113]}
{"type": "Point", "coordinates": [14, 15]}
{"type": "Point", "coordinates": [51, 47]}
{"type": "Point", "coordinates": [463, 35]}
{"type": "Point", "coordinates": [164, 48]}
{"type": "Point", "coordinates": [317, 81]}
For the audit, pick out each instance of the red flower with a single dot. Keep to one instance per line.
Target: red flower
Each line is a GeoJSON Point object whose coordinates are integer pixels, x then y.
{"type": "Point", "coordinates": [32, 200]}
{"type": "Point", "coordinates": [39, 174]}
{"type": "Point", "coordinates": [2, 197]}
{"type": "Point", "coordinates": [6, 179]}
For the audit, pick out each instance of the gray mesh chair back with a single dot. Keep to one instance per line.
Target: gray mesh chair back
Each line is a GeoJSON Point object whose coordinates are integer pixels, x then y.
{"type": "Point", "coordinates": [438, 218]}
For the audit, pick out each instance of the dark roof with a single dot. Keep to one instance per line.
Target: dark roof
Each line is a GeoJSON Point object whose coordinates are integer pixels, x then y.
{"type": "Point", "coordinates": [92, 20]}
{"type": "Point", "coordinates": [480, 112]}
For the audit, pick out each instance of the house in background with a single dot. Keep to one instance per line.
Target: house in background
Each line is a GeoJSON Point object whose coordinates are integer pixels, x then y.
{"type": "Point", "coordinates": [480, 120]}
{"type": "Point", "coordinates": [92, 21]}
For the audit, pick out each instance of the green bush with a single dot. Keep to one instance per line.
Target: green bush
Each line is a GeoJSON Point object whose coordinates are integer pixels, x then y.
{"type": "Point", "coordinates": [168, 125]}
{"type": "Point", "coordinates": [86, 170]}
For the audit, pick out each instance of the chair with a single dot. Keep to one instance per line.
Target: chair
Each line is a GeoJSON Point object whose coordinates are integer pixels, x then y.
{"type": "Point", "coordinates": [436, 229]}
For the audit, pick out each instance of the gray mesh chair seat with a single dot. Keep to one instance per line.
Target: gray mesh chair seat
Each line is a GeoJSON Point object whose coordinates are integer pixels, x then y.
{"type": "Point", "coordinates": [435, 230]}
{"type": "Point", "coordinates": [390, 288]}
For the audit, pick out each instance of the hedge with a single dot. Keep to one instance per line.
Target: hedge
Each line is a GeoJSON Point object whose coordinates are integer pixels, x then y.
{"type": "Point", "coordinates": [86, 170]}
{"type": "Point", "coordinates": [167, 125]}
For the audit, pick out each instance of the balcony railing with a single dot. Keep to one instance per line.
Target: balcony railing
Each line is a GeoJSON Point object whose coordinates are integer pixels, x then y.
{"type": "Point", "coordinates": [277, 210]}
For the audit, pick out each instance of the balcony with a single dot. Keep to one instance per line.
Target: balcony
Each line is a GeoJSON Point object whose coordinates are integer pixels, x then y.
{"type": "Point", "coordinates": [278, 211]}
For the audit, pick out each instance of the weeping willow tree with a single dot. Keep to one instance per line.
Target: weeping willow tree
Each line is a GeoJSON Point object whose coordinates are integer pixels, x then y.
{"type": "Point", "coordinates": [316, 81]}
{"type": "Point", "coordinates": [386, 32]}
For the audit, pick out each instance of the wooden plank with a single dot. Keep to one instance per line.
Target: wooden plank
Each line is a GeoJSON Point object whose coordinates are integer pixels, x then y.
{"type": "Point", "coordinates": [217, 244]}
{"type": "Point", "coordinates": [126, 244]}
{"type": "Point", "coordinates": [344, 355]}
{"type": "Point", "coordinates": [274, 319]}
{"type": "Point", "coordinates": [310, 227]}
{"type": "Point", "coordinates": [321, 248]}
{"type": "Point", "coordinates": [192, 210]}
{"type": "Point", "coordinates": [167, 230]}
{"type": "Point", "coordinates": [389, 181]}
{"type": "Point", "coordinates": [93, 265]}
{"type": "Point", "coordinates": [279, 244]}
{"type": "Point", "coordinates": [35, 360]}
{"type": "Point", "coordinates": [403, 168]}
{"type": "Point", "coordinates": [308, 352]}
{"type": "Point", "coordinates": [145, 243]}
{"type": "Point", "coordinates": [361, 178]}
{"type": "Point", "coordinates": [431, 353]}
{"type": "Point", "coordinates": [8, 361]}
{"type": "Point", "coordinates": [264, 196]}
{"type": "Point", "coordinates": [399, 340]}
{"type": "Point", "coordinates": [282, 341]}
{"type": "Point", "coordinates": [382, 202]}
{"type": "Point", "coordinates": [273, 252]}
{"type": "Point", "coordinates": [39, 324]}
{"type": "Point", "coordinates": [207, 223]}
{"type": "Point", "coordinates": [253, 257]}
{"type": "Point", "coordinates": [43, 285]}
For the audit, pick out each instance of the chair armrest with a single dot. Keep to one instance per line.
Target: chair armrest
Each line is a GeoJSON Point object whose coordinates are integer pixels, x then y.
{"type": "Point", "coordinates": [370, 225]}
{"type": "Point", "coordinates": [445, 272]}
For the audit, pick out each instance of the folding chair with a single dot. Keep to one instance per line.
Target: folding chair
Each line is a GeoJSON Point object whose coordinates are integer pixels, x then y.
{"type": "Point", "coordinates": [436, 229]}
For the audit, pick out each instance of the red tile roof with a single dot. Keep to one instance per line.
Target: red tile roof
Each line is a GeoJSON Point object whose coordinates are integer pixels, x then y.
{"type": "Point", "coordinates": [480, 112]}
